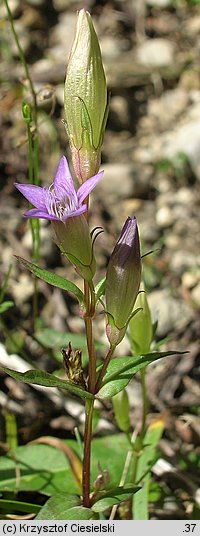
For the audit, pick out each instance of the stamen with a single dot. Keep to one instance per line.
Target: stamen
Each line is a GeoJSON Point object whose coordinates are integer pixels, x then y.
{"type": "Point", "coordinates": [60, 208]}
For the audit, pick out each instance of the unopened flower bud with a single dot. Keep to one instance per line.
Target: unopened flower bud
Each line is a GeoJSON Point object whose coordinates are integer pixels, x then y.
{"type": "Point", "coordinates": [122, 281]}
{"type": "Point", "coordinates": [74, 240]}
{"type": "Point", "coordinates": [85, 99]}
{"type": "Point", "coordinates": [140, 326]}
{"type": "Point", "coordinates": [121, 410]}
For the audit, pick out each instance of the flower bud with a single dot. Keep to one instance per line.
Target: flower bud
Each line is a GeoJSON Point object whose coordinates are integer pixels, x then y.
{"type": "Point", "coordinates": [85, 99]}
{"type": "Point", "coordinates": [140, 326]}
{"type": "Point", "coordinates": [121, 410]}
{"type": "Point", "coordinates": [122, 281]}
{"type": "Point", "coordinates": [74, 240]}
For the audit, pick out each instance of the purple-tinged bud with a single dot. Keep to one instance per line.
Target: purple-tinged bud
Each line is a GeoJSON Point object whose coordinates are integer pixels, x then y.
{"type": "Point", "coordinates": [74, 240]}
{"type": "Point", "coordinates": [140, 326]}
{"type": "Point", "coordinates": [85, 99]}
{"type": "Point", "coordinates": [122, 281]}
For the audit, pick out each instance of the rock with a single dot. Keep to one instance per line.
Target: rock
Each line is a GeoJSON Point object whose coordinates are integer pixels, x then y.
{"type": "Point", "coordinates": [171, 313]}
{"type": "Point", "coordinates": [46, 241]}
{"type": "Point", "coordinates": [182, 260]}
{"type": "Point", "coordinates": [169, 106]}
{"type": "Point", "coordinates": [192, 25]}
{"type": "Point", "coordinates": [156, 52]}
{"type": "Point", "coordinates": [59, 93]}
{"type": "Point", "coordinates": [23, 36]}
{"type": "Point", "coordinates": [62, 5]}
{"type": "Point", "coordinates": [62, 36]}
{"type": "Point", "coordinates": [164, 217]}
{"type": "Point", "coordinates": [122, 181]}
{"type": "Point", "coordinates": [14, 6]}
{"type": "Point", "coordinates": [189, 79]}
{"type": "Point", "coordinates": [22, 289]}
{"type": "Point", "coordinates": [190, 279]}
{"type": "Point", "coordinates": [149, 230]}
{"type": "Point", "coordinates": [118, 112]}
{"type": "Point", "coordinates": [183, 139]}
{"type": "Point", "coordinates": [111, 47]}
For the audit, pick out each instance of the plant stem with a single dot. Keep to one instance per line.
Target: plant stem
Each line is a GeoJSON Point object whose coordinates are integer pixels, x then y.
{"type": "Point", "coordinates": [104, 368]}
{"type": "Point", "coordinates": [92, 355]}
{"type": "Point", "coordinates": [87, 452]}
{"type": "Point", "coordinates": [89, 301]}
{"type": "Point", "coordinates": [143, 426]}
{"type": "Point", "coordinates": [33, 146]}
{"type": "Point", "coordinates": [145, 402]}
{"type": "Point", "coordinates": [5, 283]}
{"type": "Point", "coordinates": [23, 60]}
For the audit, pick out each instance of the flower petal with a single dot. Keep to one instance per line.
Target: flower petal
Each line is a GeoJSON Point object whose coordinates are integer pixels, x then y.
{"type": "Point", "coordinates": [34, 194]}
{"type": "Point", "coordinates": [63, 183]}
{"type": "Point", "coordinates": [76, 212]}
{"type": "Point", "coordinates": [88, 186]}
{"type": "Point", "coordinates": [39, 213]}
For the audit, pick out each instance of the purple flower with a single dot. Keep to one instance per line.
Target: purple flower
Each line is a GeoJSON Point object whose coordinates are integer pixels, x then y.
{"type": "Point", "coordinates": [60, 201]}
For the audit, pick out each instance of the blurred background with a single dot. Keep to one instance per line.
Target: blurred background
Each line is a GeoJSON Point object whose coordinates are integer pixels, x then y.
{"type": "Point", "coordinates": [151, 158]}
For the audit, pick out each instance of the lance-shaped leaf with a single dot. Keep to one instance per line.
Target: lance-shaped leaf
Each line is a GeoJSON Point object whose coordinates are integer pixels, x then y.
{"type": "Point", "coordinates": [114, 496]}
{"type": "Point", "coordinates": [53, 279]}
{"type": "Point", "coordinates": [39, 377]}
{"type": "Point", "coordinates": [64, 506]}
{"type": "Point", "coordinates": [121, 369]}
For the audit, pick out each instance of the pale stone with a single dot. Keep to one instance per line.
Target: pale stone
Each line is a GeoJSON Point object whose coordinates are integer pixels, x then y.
{"type": "Point", "coordinates": [156, 52]}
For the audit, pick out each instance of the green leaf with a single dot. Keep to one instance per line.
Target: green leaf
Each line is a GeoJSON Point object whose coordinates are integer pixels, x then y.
{"type": "Point", "coordinates": [100, 288]}
{"type": "Point", "coordinates": [64, 506]}
{"type": "Point", "coordinates": [114, 496]}
{"type": "Point", "coordinates": [51, 338]}
{"type": "Point", "coordinates": [46, 469]}
{"type": "Point", "coordinates": [121, 369]}
{"type": "Point", "coordinates": [5, 306]}
{"type": "Point", "coordinates": [146, 460]}
{"type": "Point", "coordinates": [41, 467]}
{"type": "Point", "coordinates": [53, 279]}
{"type": "Point", "coordinates": [39, 377]}
{"type": "Point", "coordinates": [17, 506]}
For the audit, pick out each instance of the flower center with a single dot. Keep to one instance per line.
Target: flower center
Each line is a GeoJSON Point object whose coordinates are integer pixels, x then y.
{"type": "Point", "coordinates": [61, 208]}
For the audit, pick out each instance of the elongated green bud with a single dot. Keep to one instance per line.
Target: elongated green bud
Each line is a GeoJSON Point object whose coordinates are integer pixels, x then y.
{"type": "Point", "coordinates": [85, 99]}
{"type": "Point", "coordinates": [74, 240]}
{"type": "Point", "coordinates": [122, 281]}
{"type": "Point", "coordinates": [140, 326]}
{"type": "Point", "coordinates": [121, 410]}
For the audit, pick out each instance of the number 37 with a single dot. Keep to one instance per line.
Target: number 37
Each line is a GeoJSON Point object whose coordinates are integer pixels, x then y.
{"type": "Point", "coordinates": [189, 527]}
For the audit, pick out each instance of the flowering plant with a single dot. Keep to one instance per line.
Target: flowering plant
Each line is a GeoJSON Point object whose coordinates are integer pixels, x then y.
{"type": "Point", "coordinates": [123, 304]}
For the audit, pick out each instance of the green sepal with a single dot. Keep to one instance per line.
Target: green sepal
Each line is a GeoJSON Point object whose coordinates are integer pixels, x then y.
{"type": "Point", "coordinates": [105, 118]}
{"type": "Point", "coordinates": [87, 135]}
{"type": "Point", "coordinates": [85, 270]}
{"type": "Point", "coordinates": [100, 289]}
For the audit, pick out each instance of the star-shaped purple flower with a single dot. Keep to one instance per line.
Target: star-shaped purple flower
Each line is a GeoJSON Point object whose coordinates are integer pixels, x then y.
{"type": "Point", "coordinates": [60, 201]}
